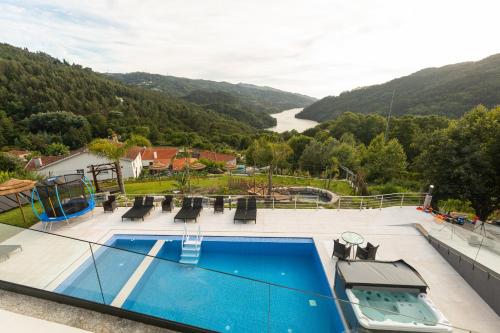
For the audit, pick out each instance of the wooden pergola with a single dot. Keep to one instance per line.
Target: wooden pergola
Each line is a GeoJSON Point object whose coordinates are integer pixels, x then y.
{"type": "Point", "coordinates": [96, 169]}
{"type": "Point", "coordinates": [16, 186]}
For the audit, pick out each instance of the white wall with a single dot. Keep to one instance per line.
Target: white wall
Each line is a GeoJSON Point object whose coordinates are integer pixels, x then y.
{"type": "Point", "coordinates": [132, 169]}
{"type": "Point", "coordinates": [70, 165]}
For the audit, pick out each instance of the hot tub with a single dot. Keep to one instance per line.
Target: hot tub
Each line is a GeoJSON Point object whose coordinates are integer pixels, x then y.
{"type": "Point", "coordinates": [386, 297]}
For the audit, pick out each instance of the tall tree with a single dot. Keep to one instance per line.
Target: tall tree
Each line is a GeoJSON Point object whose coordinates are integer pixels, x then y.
{"type": "Point", "coordinates": [298, 143]}
{"type": "Point", "coordinates": [463, 160]}
{"type": "Point", "coordinates": [115, 150]}
{"type": "Point", "coordinates": [271, 154]}
{"type": "Point", "coordinates": [385, 160]}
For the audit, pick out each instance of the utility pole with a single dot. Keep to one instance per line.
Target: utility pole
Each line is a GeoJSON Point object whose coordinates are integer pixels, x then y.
{"type": "Point", "coordinates": [389, 116]}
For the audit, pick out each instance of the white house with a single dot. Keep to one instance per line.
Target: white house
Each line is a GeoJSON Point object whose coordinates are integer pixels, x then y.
{"type": "Point", "coordinates": [78, 161]}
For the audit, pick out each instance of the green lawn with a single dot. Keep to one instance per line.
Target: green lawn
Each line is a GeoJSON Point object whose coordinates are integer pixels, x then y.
{"type": "Point", "coordinates": [14, 217]}
{"type": "Point", "coordinates": [220, 184]}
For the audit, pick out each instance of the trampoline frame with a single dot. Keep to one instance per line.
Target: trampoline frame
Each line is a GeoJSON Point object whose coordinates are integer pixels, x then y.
{"type": "Point", "coordinates": [44, 218]}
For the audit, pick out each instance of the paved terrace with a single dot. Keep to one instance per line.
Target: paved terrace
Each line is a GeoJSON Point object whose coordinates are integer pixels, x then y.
{"type": "Point", "coordinates": [392, 228]}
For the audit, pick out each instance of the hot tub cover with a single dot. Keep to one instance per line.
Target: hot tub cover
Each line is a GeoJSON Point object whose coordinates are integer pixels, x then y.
{"type": "Point", "coordinates": [391, 274]}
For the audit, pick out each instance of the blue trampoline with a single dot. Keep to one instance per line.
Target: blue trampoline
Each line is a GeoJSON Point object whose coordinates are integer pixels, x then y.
{"type": "Point", "coordinates": [63, 198]}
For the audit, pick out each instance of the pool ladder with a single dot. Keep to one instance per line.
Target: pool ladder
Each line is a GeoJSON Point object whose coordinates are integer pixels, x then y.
{"type": "Point", "coordinates": [191, 247]}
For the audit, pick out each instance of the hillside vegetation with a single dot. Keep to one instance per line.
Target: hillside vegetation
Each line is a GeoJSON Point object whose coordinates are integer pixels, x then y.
{"type": "Point", "coordinates": [449, 91]}
{"type": "Point", "coordinates": [35, 88]}
{"type": "Point", "coordinates": [256, 98]}
{"type": "Point", "coordinates": [228, 105]}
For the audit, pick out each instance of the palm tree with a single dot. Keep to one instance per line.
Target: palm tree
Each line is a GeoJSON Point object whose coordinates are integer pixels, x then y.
{"type": "Point", "coordinates": [115, 150]}
{"type": "Point", "coordinates": [271, 154]}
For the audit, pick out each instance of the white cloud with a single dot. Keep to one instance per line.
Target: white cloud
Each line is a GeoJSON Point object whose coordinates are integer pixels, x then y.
{"type": "Point", "coordinates": [313, 47]}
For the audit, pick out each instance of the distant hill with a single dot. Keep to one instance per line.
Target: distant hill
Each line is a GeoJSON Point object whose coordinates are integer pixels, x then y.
{"type": "Point", "coordinates": [36, 83]}
{"type": "Point", "coordinates": [229, 105]}
{"type": "Point", "coordinates": [257, 98]}
{"type": "Point", "coordinates": [449, 91]}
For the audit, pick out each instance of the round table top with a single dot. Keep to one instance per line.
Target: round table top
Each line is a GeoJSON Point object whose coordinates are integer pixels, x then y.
{"type": "Point", "coordinates": [352, 237]}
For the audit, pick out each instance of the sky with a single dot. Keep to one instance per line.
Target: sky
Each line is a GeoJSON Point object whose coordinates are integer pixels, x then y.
{"type": "Point", "coordinates": [312, 47]}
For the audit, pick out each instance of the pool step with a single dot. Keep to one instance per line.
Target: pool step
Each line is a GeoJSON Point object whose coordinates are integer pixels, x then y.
{"type": "Point", "coordinates": [191, 248]}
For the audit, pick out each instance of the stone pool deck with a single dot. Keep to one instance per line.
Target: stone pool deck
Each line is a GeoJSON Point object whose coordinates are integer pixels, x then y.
{"type": "Point", "coordinates": [392, 228]}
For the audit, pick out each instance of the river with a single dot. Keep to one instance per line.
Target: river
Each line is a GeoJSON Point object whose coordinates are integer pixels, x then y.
{"type": "Point", "coordinates": [286, 121]}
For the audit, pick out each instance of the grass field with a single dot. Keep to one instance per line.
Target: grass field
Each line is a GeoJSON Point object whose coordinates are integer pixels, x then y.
{"type": "Point", "coordinates": [14, 217]}
{"type": "Point", "coordinates": [220, 184]}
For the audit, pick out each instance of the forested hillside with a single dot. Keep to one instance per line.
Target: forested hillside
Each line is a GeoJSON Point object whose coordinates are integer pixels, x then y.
{"type": "Point", "coordinates": [449, 91]}
{"type": "Point", "coordinates": [256, 98]}
{"type": "Point", "coordinates": [229, 105]}
{"type": "Point", "coordinates": [35, 87]}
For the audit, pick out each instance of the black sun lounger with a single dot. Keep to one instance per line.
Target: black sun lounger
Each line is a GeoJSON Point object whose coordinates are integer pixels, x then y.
{"type": "Point", "coordinates": [149, 204]}
{"type": "Point", "coordinates": [251, 213]}
{"type": "Point", "coordinates": [241, 209]}
{"type": "Point", "coordinates": [186, 211]}
{"type": "Point", "coordinates": [6, 251]}
{"type": "Point", "coordinates": [197, 208]}
{"type": "Point", "coordinates": [138, 210]}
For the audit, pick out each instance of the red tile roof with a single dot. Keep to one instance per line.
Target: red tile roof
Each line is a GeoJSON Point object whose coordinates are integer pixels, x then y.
{"type": "Point", "coordinates": [179, 164]}
{"type": "Point", "coordinates": [162, 153]}
{"type": "Point", "coordinates": [216, 157]}
{"type": "Point", "coordinates": [133, 152]}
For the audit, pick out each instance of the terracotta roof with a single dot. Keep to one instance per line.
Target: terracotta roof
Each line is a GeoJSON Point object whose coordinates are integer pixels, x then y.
{"type": "Point", "coordinates": [162, 153]}
{"type": "Point", "coordinates": [216, 157]}
{"type": "Point", "coordinates": [180, 163]}
{"type": "Point", "coordinates": [133, 152]}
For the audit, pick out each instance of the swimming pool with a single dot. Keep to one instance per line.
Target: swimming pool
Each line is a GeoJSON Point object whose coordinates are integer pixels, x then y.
{"type": "Point", "coordinates": [239, 285]}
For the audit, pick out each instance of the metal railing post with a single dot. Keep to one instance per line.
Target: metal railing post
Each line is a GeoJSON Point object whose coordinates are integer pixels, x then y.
{"type": "Point", "coordinates": [317, 201]}
{"type": "Point", "coordinates": [402, 198]}
{"type": "Point", "coordinates": [361, 204]}
{"type": "Point", "coordinates": [338, 208]}
{"type": "Point", "coordinates": [295, 207]}
{"type": "Point", "coordinates": [273, 201]}
{"type": "Point", "coordinates": [381, 201]}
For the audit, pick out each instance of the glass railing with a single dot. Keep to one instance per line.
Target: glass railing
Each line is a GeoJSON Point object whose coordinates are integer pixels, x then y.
{"type": "Point", "coordinates": [144, 280]}
{"type": "Point", "coordinates": [292, 201]}
{"type": "Point", "coordinates": [481, 242]}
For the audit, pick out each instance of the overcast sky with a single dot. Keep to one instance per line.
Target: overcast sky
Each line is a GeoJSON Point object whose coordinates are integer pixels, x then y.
{"type": "Point", "coordinates": [313, 47]}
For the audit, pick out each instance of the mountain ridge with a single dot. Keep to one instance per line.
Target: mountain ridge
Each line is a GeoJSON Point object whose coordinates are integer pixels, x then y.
{"type": "Point", "coordinates": [259, 98]}
{"type": "Point", "coordinates": [449, 90]}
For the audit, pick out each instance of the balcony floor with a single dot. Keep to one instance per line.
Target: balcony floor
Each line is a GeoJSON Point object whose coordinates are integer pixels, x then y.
{"type": "Point", "coordinates": [392, 228]}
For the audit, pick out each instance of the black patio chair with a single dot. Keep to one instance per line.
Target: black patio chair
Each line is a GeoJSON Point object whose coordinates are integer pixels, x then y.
{"type": "Point", "coordinates": [367, 253]}
{"type": "Point", "coordinates": [340, 250]}
{"type": "Point", "coordinates": [241, 209]}
{"type": "Point", "coordinates": [219, 204]}
{"type": "Point", "coordinates": [110, 205]}
{"type": "Point", "coordinates": [167, 205]}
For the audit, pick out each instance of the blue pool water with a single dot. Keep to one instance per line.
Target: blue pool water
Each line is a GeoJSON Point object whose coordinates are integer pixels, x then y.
{"type": "Point", "coordinates": [205, 296]}
{"type": "Point", "coordinates": [114, 267]}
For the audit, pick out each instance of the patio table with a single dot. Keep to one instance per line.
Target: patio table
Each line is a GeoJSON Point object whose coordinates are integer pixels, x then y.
{"type": "Point", "coordinates": [354, 239]}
